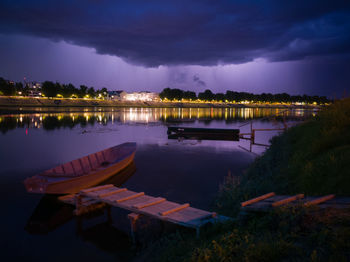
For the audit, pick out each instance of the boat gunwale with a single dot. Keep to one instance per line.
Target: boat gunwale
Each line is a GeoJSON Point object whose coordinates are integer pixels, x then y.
{"type": "Point", "coordinates": [65, 179]}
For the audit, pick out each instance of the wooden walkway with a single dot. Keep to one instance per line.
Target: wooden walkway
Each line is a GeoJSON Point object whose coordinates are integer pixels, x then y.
{"type": "Point", "coordinates": [269, 201]}
{"type": "Point", "coordinates": [141, 204]}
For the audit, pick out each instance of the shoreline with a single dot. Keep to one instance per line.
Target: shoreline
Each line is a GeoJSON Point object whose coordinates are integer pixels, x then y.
{"type": "Point", "coordinates": [309, 158]}
{"type": "Point", "coordinates": [15, 102]}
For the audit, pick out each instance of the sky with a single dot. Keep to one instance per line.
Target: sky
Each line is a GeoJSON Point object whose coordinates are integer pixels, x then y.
{"type": "Point", "coordinates": [298, 47]}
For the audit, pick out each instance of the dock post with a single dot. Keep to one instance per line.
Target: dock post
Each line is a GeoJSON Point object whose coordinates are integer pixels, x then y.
{"type": "Point", "coordinates": [198, 231]}
{"type": "Point", "coordinates": [78, 203]}
{"type": "Point", "coordinates": [109, 214]}
{"type": "Point", "coordinates": [133, 217]}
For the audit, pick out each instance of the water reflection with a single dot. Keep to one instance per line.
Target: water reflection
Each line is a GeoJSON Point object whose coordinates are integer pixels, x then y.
{"type": "Point", "coordinates": [51, 121]}
{"type": "Point", "coordinates": [51, 213]}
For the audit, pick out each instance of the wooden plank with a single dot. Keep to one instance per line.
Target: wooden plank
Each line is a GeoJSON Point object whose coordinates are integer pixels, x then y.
{"type": "Point", "coordinates": [129, 197]}
{"type": "Point", "coordinates": [66, 197]}
{"type": "Point", "coordinates": [149, 203]}
{"type": "Point", "coordinates": [112, 192]}
{"type": "Point", "coordinates": [257, 199]}
{"type": "Point", "coordinates": [164, 213]}
{"type": "Point", "coordinates": [89, 190]}
{"type": "Point", "coordinates": [287, 200]}
{"type": "Point", "coordinates": [155, 210]}
{"type": "Point", "coordinates": [190, 216]}
{"type": "Point", "coordinates": [319, 200]}
{"type": "Point", "coordinates": [133, 216]}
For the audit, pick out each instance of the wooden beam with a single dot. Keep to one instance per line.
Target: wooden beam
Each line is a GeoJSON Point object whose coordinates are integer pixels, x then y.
{"type": "Point", "coordinates": [257, 199]}
{"type": "Point", "coordinates": [287, 200]}
{"type": "Point", "coordinates": [112, 192]}
{"type": "Point", "coordinates": [268, 129]}
{"type": "Point", "coordinates": [319, 200]}
{"type": "Point", "coordinates": [133, 217]}
{"type": "Point", "coordinates": [129, 197]}
{"type": "Point", "coordinates": [153, 202]}
{"type": "Point", "coordinates": [96, 188]}
{"type": "Point", "coordinates": [66, 197]}
{"type": "Point", "coordinates": [176, 209]}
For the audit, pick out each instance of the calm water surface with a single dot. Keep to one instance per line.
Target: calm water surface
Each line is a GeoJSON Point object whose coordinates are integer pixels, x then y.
{"type": "Point", "coordinates": [36, 227]}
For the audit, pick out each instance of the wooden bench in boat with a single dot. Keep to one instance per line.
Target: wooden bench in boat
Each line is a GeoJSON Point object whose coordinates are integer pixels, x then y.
{"type": "Point", "coordinates": [141, 204]}
{"type": "Point", "coordinates": [79, 167]}
{"type": "Point", "coordinates": [269, 201]}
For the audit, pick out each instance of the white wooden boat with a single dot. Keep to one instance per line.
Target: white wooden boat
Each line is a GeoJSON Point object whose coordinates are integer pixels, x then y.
{"type": "Point", "coordinates": [82, 173]}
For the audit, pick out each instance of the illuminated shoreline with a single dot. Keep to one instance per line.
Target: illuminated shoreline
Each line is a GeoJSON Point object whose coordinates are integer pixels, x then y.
{"type": "Point", "coordinates": [78, 102]}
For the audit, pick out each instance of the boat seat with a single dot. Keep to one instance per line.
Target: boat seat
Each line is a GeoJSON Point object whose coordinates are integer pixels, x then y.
{"type": "Point", "coordinates": [68, 169]}
{"type": "Point", "coordinates": [48, 172]}
{"type": "Point", "coordinates": [93, 161]}
{"type": "Point", "coordinates": [78, 169]}
{"type": "Point", "coordinates": [100, 157]}
{"type": "Point", "coordinates": [58, 170]}
{"type": "Point", "coordinates": [86, 164]}
{"type": "Point", "coordinates": [108, 155]}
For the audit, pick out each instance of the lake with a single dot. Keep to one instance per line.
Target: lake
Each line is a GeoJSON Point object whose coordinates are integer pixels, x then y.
{"type": "Point", "coordinates": [37, 228]}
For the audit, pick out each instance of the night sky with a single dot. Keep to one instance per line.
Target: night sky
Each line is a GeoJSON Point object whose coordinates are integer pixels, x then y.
{"type": "Point", "coordinates": [300, 46]}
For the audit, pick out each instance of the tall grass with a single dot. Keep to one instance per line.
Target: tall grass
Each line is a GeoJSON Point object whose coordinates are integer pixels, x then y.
{"type": "Point", "coordinates": [311, 158]}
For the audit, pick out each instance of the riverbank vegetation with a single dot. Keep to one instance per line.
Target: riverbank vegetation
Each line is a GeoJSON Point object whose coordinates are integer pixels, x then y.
{"type": "Point", "coordinates": [169, 94]}
{"type": "Point", "coordinates": [58, 90]}
{"type": "Point", "coordinates": [49, 89]}
{"type": "Point", "coordinates": [312, 158]}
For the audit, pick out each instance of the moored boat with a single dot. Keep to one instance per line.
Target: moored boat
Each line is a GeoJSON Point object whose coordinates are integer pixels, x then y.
{"type": "Point", "coordinates": [82, 173]}
{"type": "Point", "coordinates": [175, 132]}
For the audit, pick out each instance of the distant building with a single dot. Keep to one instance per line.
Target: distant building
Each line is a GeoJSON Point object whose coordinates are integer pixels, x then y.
{"type": "Point", "coordinates": [115, 95]}
{"type": "Point", "coordinates": [33, 88]}
{"type": "Point", "coordinates": [139, 96]}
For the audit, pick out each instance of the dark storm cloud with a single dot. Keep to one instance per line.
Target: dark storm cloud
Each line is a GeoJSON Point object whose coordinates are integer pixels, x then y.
{"type": "Point", "coordinates": [198, 81]}
{"type": "Point", "coordinates": [182, 32]}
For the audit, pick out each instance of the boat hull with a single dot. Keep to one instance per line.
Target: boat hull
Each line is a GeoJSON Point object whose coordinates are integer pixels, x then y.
{"type": "Point", "coordinates": [57, 184]}
{"type": "Point", "coordinates": [74, 185]}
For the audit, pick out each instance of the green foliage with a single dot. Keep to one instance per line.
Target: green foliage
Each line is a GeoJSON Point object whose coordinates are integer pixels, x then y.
{"type": "Point", "coordinates": [83, 91]}
{"type": "Point", "coordinates": [172, 94]}
{"type": "Point", "coordinates": [294, 234]}
{"type": "Point", "coordinates": [311, 158]}
{"type": "Point", "coordinates": [7, 88]}
{"type": "Point", "coordinates": [208, 95]}
{"type": "Point", "coordinates": [49, 89]}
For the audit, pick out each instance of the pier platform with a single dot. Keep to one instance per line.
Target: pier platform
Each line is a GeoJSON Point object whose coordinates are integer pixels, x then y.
{"type": "Point", "coordinates": [138, 203]}
{"type": "Point", "coordinates": [270, 200]}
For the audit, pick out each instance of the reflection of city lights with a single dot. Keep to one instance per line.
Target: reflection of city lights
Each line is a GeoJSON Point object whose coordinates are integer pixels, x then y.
{"type": "Point", "coordinates": [152, 115]}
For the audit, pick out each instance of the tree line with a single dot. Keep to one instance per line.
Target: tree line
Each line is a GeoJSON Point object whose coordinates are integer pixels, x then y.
{"type": "Point", "coordinates": [232, 96]}
{"type": "Point", "coordinates": [51, 89]}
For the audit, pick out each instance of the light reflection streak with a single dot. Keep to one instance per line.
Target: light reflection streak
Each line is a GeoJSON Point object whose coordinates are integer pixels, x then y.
{"type": "Point", "coordinates": [145, 116]}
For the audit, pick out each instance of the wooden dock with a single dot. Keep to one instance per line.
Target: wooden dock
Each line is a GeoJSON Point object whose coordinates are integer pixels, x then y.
{"type": "Point", "coordinates": [269, 201]}
{"type": "Point", "coordinates": [141, 204]}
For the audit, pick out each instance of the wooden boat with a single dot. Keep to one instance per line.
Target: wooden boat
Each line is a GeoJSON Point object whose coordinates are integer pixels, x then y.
{"type": "Point", "coordinates": [84, 172]}
{"type": "Point", "coordinates": [203, 133]}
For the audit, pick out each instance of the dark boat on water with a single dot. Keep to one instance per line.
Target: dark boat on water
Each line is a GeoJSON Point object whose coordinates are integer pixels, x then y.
{"type": "Point", "coordinates": [203, 133]}
{"type": "Point", "coordinates": [84, 172]}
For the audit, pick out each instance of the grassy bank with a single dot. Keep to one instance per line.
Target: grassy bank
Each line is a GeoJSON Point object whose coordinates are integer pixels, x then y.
{"type": "Point", "coordinates": [312, 158]}
{"type": "Point", "coordinates": [80, 102]}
